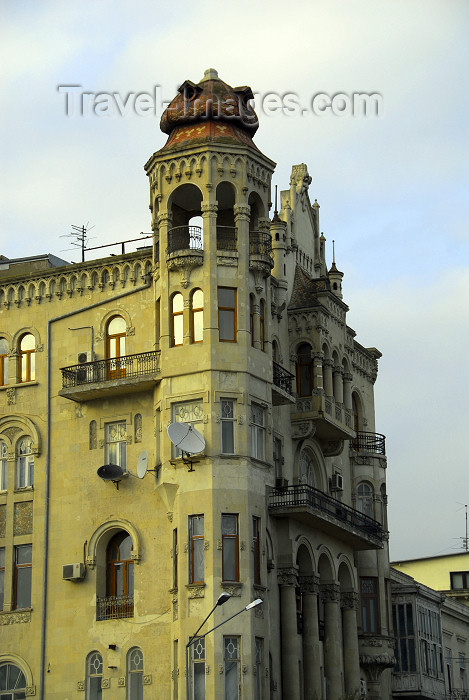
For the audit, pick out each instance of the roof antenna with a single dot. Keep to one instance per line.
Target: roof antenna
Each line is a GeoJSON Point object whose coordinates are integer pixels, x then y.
{"type": "Point", "coordinates": [81, 234]}
{"type": "Point", "coordinates": [275, 212]}
{"type": "Point", "coordinates": [333, 252]}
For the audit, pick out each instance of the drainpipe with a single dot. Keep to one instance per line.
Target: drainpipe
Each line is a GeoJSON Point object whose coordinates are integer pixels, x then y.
{"type": "Point", "coordinates": [47, 484]}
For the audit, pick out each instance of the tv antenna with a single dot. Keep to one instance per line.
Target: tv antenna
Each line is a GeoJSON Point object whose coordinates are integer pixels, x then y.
{"type": "Point", "coordinates": [187, 439]}
{"type": "Point", "coordinates": [80, 233]}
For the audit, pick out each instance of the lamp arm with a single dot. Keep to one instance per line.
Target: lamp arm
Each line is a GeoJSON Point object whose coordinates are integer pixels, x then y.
{"type": "Point", "coordinates": [217, 626]}
{"type": "Point", "coordinates": [191, 639]}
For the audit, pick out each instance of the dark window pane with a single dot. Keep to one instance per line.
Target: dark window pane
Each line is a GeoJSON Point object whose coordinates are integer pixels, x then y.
{"type": "Point", "coordinates": [227, 327]}
{"type": "Point", "coordinates": [23, 587]}
{"type": "Point", "coordinates": [229, 559]}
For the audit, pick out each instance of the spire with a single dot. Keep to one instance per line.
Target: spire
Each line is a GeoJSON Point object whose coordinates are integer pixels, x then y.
{"type": "Point", "coordinates": [335, 276]}
{"type": "Point", "coordinates": [276, 218]}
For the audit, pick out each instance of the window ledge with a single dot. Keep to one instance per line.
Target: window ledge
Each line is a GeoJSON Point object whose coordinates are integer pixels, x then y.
{"type": "Point", "coordinates": [23, 489]}
{"type": "Point", "coordinates": [234, 588]}
{"type": "Point", "coordinates": [261, 463]}
{"type": "Point", "coordinates": [196, 590]}
{"type": "Point", "coordinates": [20, 384]}
{"type": "Point", "coordinates": [11, 617]}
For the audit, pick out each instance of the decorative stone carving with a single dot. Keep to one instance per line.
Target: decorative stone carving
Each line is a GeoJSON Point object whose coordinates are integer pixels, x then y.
{"type": "Point", "coordinates": [105, 683]}
{"type": "Point", "coordinates": [23, 518]}
{"type": "Point", "coordinates": [196, 591]}
{"type": "Point", "coordinates": [80, 686]}
{"type": "Point", "coordinates": [234, 589]}
{"type": "Point", "coordinates": [121, 682]}
{"type": "Point", "coordinates": [303, 429]}
{"type": "Point", "coordinates": [11, 432]}
{"type": "Point", "coordinates": [287, 577]}
{"type": "Point", "coordinates": [147, 679]}
{"type": "Point", "coordinates": [11, 396]}
{"type": "Point", "coordinates": [13, 618]}
{"type": "Point", "coordinates": [309, 584]}
{"type": "Point", "coordinates": [3, 520]}
{"type": "Point", "coordinates": [349, 600]}
{"type": "Point", "coordinates": [330, 592]}
{"type": "Point", "coordinates": [332, 448]}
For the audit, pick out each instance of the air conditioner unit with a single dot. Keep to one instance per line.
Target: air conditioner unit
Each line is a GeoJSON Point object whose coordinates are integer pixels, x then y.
{"type": "Point", "coordinates": [83, 357]}
{"type": "Point", "coordinates": [337, 482]}
{"type": "Point", "coordinates": [281, 483]}
{"type": "Point", "coordinates": [73, 572]}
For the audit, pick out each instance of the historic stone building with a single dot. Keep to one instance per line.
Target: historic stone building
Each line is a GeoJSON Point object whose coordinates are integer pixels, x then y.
{"type": "Point", "coordinates": [233, 323]}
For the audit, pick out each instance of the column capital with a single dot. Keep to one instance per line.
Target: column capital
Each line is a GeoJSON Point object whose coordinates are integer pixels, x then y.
{"type": "Point", "coordinates": [330, 592]}
{"type": "Point", "coordinates": [209, 209]}
{"type": "Point", "coordinates": [348, 377]}
{"type": "Point", "coordinates": [337, 370]}
{"type": "Point", "coordinates": [242, 212]}
{"type": "Point", "coordinates": [309, 583]}
{"type": "Point", "coordinates": [327, 362]}
{"type": "Point", "coordinates": [349, 600]}
{"type": "Point", "coordinates": [164, 218]}
{"type": "Point", "coordinates": [287, 576]}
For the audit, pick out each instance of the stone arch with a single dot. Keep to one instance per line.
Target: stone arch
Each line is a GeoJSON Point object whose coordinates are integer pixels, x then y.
{"type": "Point", "coordinates": [14, 427]}
{"type": "Point", "coordinates": [277, 349]}
{"type": "Point", "coordinates": [23, 331]}
{"type": "Point", "coordinates": [359, 420]}
{"type": "Point", "coordinates": [118, 311]}
{"type": "Point", "coordinates": [257, 210]}
{"type": "Point", "coordinates": [345, 574]}
{"type": "Point", "coordinates": [311, 449]}
{"type": "Point", "coordinates": [305, 557]}
{"type": "Point", "coordinates": [326, 568]}
{"type": "Point", "coordinates": [18, 661]}
{"type": "Point", "coordinates": [104, 533]}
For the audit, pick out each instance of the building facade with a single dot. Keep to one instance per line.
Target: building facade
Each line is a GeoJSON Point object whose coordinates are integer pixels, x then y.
{"type": "Point", "coordinates": [232, 324]}
{"type": "Point", "coordinates": [448, 573]}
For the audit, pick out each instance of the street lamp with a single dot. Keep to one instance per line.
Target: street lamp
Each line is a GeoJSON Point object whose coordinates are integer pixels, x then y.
{"type": "Point", "coordinates": [221, 599]}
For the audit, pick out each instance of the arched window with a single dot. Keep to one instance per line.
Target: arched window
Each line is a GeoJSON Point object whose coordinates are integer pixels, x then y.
{"type": "Point", "coordinates": [356, 413]}
{"type": "Point", "coordinates": [304, 370]}
{"type": "Point", "coordinates": [115, 347]}
{"type": "Point", "coordinates": [135, 674]}
{"type": "Point", "coordinates": [197, 316]}
{"type": "Point", "coordinates": [12, 682]}
{"type": "Point", "coordinates": [3, 361]}
{"type": "Point", "coordinates": [24, 463]}
{"type": "Point", "coordinates": [119, 601]}
{"type": "Point", "coordinates": [262, 324]}
{"type": "Point", "coordinates": [26, 359]}
{"type": "Point", "coordinates": [365, 498]}
{"type": "Point", "coordinates": [3, 466]}
{"type": "Point", "coordinates": [177, 329]}
{"type": "Point", "coordinates": [306, 469]}
{"type": "Point", "coordinates": [94, 674]}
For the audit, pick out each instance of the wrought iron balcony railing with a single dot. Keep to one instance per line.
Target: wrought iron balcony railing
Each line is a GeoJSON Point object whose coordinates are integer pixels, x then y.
{"type": "Point", "coordinates": [184, 238]}
{"type": "Point", "coordinates": [304, 496]}
{"type": "Point", "coordinates": [260, 243]}
{"type": "Point", "coordinates": [127, 366]}
{"type": "Point", "coordinates": [282, 378]}
{"type": "Point", "coordinates": [370, 442]}
{"type": "Point", "coordinates": [227, 238]}
{"type": "Point", "coordinates": [114, 607]}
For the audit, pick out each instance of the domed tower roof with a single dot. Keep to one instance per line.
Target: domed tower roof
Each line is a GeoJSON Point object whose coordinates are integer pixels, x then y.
{"type": "Point", "coordinates": [209, 110]}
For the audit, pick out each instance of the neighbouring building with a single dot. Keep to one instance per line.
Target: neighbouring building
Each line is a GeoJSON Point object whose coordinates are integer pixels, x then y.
{"type": "Point", "coordinates": [232, 323]}
{"type": "Point", "coordinates": [432, 642]}
{"type": "Point", "coordinates": [448, 573]}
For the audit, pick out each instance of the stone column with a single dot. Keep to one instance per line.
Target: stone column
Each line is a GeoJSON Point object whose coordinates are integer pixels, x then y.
{"type": "Point", "coordinates": [338, 385]}
{"type": "Point", "coordinates": [287, 580]}
{"type": "Point", "coordinates": [209, 210]}
{"type": "Point", "coordinates": [332, 661]}
{"type": "Point", "coordinates": [349, 602]}
{"type": "Point", "coordinates": [348, 391]}
{"type": "Point", "coordinates": [311, 652]}
{"type": "Point", "coordinates": [328, 386]}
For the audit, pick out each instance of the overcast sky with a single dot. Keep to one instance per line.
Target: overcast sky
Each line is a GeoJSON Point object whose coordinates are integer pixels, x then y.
{"type": "Point", "coordinates": [393, 189]}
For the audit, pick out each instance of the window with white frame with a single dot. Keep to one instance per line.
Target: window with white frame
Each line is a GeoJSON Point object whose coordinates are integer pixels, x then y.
{"type": "Point", "coordinates": [116, 444]}
{"type": "Point", "coordinates": [135, 674]}
{"type": "Point", "coordinates": [227, 420]}
{"type": "Point", "coordinates": [24, 463]}
{"type": "Point", "coordinates": [232, 663]}
{"type": "Point", "coordinates": [191, 412]}
{"type": "Point", "coordinates": [94, 674]}
{"type": "Point", "coordinates": [12, 682]}
{"type": "Point", "coordinates": [365, 498]}
{"type": "Point", "coordinates": [196, 549]}
{"type": "Point", "coordinates": [198, 669]}
{"type": "Point", "coordinates": [257, 432]}
{"type": "Point", "coordinates": [3, 466]}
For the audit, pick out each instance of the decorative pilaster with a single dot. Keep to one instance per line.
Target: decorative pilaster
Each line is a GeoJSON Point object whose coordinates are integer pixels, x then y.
{"type": "Point", "coordinates": [332, 663]}
{"type": "Point", "coordinates": [312, 681]}
{"type": "Point", "coordinates": [287, 580]}
{"type": "Point", "coordinates": [349, 603]}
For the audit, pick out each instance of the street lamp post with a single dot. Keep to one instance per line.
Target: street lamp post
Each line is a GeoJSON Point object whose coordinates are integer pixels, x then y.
{"type": "Point", "coordinates": [221, 599]}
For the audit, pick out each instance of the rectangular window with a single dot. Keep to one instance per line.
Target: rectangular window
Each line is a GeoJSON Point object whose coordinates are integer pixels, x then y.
{"type": "Point", "coordinates": [259, 661]}
{"type": "Point", "coordinates": [175, 558]}
{"type": "Point", "coordinates": [227, 420]}
{"type": "Point", "coordinates": [3, 467]}
{"type": "Point", "coordinates": [191, 412]}
{"type": "Point", "coordinates": [403, 623]}
{"type": "Point", "coordinates": [196, 549]}
{"type": "Point", "coordinates": [256, 549]}
{"type": "Point", "coordinates": [22, 576]}
{"type": "Point", "coordinates": [230, 547]}
{"type": "Point", "coordinates": [227, 314]}
{"type": "Point", "coordinates": [116, 444]}
{"type": "Point", "coordinates": [175, 670]}
{"type": "Point", "coordinates": [459, 579]}
{"type": "Point", "coordinates": [231, 658]}
{"type": "Point", "coordinates": [369, 604]}
{"type": "Point", "coordinates": [449, 668]}
{"type": "Point", "coordinates": [257, 432]}
{"type": "Point", "coordinates": [198, 669]}
{"type": "Point", "coordinates": [2, 576]}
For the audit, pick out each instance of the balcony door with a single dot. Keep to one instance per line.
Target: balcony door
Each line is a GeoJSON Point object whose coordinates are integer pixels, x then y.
{"type": "Point", "coordinates": [115, 347]}
{"type": "Point", "coordinates": [120, 577]}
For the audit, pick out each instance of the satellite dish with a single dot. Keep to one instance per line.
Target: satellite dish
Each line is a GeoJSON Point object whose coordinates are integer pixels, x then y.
{"type": "Point", "coordinates": [111, 472]}
{"type": "Point", "coordinates": [186, 438]}
{"type": "Point", "coordinates": [142, 464]}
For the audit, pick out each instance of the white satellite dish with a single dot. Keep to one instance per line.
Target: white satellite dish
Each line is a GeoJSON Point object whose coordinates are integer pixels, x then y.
{"type": "Point", "coordinates": [142, 464]}
{"type": "Point", "coordinates": [187, 439]}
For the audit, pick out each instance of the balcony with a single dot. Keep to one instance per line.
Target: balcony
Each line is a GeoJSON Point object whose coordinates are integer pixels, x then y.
{"type": "Point", "coordinates": [315, 508]}
{"type": "Point", "coordinates": [102, 378]}
{"type": "Point", "coordinates": [369, 442]}
{"type": "Point", "coordinates": [282, 383]}
{"type": "Point", "coordinates": [332, 420]}
{"type": "Point", "coordinates": [114, 607]}
{"type": "Point", "coordinates": [185, 247]}
{"type": "Point", "coordinates": [260, 252]}
{"type": "Point", "coordinates": [227, 238]}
